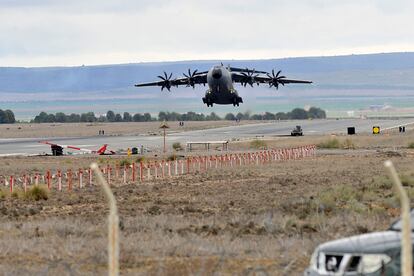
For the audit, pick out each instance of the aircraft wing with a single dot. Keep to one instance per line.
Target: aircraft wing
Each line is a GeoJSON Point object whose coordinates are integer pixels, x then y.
{"type": "Point", "coordinates": [281, 81]}
{"type": "Point", "coordinates": [66, 146]}
{"type": "Point", "coordinates": [245, 70]}
{"type": "Point", "coordinates": [256, 77]}
{"type": "Point", "coordinates": [167, 82]}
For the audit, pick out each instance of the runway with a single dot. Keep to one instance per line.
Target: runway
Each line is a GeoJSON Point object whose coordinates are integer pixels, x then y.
{"type": "Point", "coordinates": [29, 146]}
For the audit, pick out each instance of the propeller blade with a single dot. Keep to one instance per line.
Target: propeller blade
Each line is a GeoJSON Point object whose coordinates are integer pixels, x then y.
{"type": "Point", "coordinates": [278, 73]}
{"type": "Point", "coordinates": [170, 76]}
{"type": "Point", "coordinates": [161, 77]}
{"type": "Point", "coordinates": [166, 76]}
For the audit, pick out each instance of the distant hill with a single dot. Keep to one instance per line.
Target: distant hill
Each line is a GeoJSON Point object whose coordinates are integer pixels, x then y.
{"type": "Point", "coordinates": [362, 72]}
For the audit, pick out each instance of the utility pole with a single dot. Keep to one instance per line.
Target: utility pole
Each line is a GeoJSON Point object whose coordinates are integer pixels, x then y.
{"type": "Point", "coordinates": [164, 126]}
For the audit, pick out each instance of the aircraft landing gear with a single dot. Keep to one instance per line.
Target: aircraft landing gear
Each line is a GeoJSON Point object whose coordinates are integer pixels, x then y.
{"type": "Point", "coordinates": [208, 102]}
{"type": "Point", "coordinates": [237, 100]}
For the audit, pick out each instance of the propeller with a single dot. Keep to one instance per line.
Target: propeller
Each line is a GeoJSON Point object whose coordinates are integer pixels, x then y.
{"type": "Point", "coordinates": [275, 79]}
{"type": "Point", "coordinates": [190, 78]}
{"type": "Point", "coordinates": [250, 77]}
{"type": "Point", "coordinates": [167, 82]}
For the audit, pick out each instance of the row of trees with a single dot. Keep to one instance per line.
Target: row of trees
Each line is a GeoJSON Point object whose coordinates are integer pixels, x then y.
{"type": "Point", "coordinates": [7, 117]}
{"type": "Point", "coordinates": [189, 116]}
{"type": "Point", "coordinates": [297, 113]}
{"type": "Point", "coordinates": [90, 117]}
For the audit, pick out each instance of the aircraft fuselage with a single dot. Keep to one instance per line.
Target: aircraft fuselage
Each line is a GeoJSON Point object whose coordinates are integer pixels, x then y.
{"type": "Point", "coordinates": [221, 90]}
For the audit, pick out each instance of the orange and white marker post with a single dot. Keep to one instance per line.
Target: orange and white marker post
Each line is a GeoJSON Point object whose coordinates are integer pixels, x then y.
{"type": "Point", "coordinates": [90, 176]}
{"type": "Point", "coordinates": [125, 174]}
{"type": "Point", "coordinates": [11, 184]}
{"type": "Point", "coordinates": [141, 171]}
{"type": "Point", "coordinates": [48, 177]}
{"type": "Point", "coordinates": [188, 165]}
{"type": "Point", "coordinates": [169, 168]}
{"type": "Point", "coordinates": [133, 172]}
{"type": "Point", "coordinates": [59, 180]}
{"type": "Point", "coordinates": [25, 183]}
{"type": "Point", "coordinates": [80, 178]}
{"type": "Point", "coordinates": [148, 171]}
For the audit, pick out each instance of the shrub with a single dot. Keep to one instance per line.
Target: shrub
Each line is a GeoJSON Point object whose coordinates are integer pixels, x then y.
{"type": "Point", "coordinates": [332, 143]}
{"type": "Point", "coordinates": [102, 160]}
{"type": "Point", "coordinates": [348, 144]}
{"type": "Point", "coordinates": [37, 193]}
{"type": "Point", "coordinates": [177, 146]}
{"type": "Point", "coordinates": [15, 194]}
{"type": "Point", "coordinates": [172, 157]}
{"type": "Point", "coordinates": [2, 194]}
{"type": "Point", "coordinates": [124, 162]}
{"type": "Point", "coordinates": [258, 144]}
{"type": "Point", "coordinates": [140, 159]}
{"type": "Point", "coordinates": [411, 145]}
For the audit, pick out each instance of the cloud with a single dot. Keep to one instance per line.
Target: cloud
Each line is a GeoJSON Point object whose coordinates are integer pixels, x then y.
{"type": "Point", "coordinates": [57, 32]}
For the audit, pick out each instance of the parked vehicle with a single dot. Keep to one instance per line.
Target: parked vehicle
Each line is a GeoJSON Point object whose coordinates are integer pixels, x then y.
{"type": "Point", "coordinates": [369, 254]}
{"type": "Point", "coordinates": [297, 131]}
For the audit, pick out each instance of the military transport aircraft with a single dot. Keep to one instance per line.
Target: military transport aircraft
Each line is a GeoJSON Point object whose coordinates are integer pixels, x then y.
{"type": "Point", "coordinates": [220, 81]}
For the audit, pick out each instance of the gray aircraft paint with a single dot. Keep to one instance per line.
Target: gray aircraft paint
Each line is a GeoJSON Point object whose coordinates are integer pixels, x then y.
{"type": "Point", "coordinates": [221, 90]}
{"type": "Point", "coordinates": [220, 81]}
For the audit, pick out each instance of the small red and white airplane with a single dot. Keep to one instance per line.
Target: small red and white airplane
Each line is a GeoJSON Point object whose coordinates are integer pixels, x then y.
{"type": "Point", "coordinates": [57, 149]}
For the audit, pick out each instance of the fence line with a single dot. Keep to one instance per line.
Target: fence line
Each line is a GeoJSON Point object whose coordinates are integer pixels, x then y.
{"type": "Point", "coordinates": [153, 170]}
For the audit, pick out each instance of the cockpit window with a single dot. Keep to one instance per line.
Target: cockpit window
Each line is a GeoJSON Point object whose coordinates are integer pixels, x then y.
{"type": "Point", "coordinates": [217, 72]}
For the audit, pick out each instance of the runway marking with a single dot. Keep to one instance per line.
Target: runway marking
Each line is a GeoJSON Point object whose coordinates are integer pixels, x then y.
{"type": "Point", "coordinates": [13, 154]}
{"type": "Point", "coordinates": [388, 128]}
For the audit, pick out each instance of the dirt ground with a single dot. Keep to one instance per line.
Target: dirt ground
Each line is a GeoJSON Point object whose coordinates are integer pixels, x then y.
{"type": "Point", "coordinates": [27, 130]}
{"type": "Point", "coordinates": [258, 220]}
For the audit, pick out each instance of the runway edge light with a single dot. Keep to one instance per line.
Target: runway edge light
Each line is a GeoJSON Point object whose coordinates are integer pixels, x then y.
{"type": "Point", "coordinates": [376, 130]}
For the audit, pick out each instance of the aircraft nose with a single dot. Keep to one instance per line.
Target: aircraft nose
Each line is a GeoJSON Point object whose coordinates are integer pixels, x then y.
{"type": "Point", "coordinates": [217, 73]}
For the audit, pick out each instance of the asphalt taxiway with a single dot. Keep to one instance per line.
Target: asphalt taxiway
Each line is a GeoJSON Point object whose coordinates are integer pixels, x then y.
{"type": "Point", "coordinates": [29, 146]}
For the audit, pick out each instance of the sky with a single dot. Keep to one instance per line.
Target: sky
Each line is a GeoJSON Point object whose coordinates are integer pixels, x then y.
{"type": "Point", "coordinates": [90, 32]}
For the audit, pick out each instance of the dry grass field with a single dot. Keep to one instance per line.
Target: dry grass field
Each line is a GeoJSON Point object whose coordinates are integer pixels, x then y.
{"type": "Point", "coordinates": [258, 220]}
{"type": "Point", "coordinates": [28, 130]}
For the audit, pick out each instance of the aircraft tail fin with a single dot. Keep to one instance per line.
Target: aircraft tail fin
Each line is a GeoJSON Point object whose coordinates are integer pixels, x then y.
{"type": "Point", "coordinates": [102, 149]}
